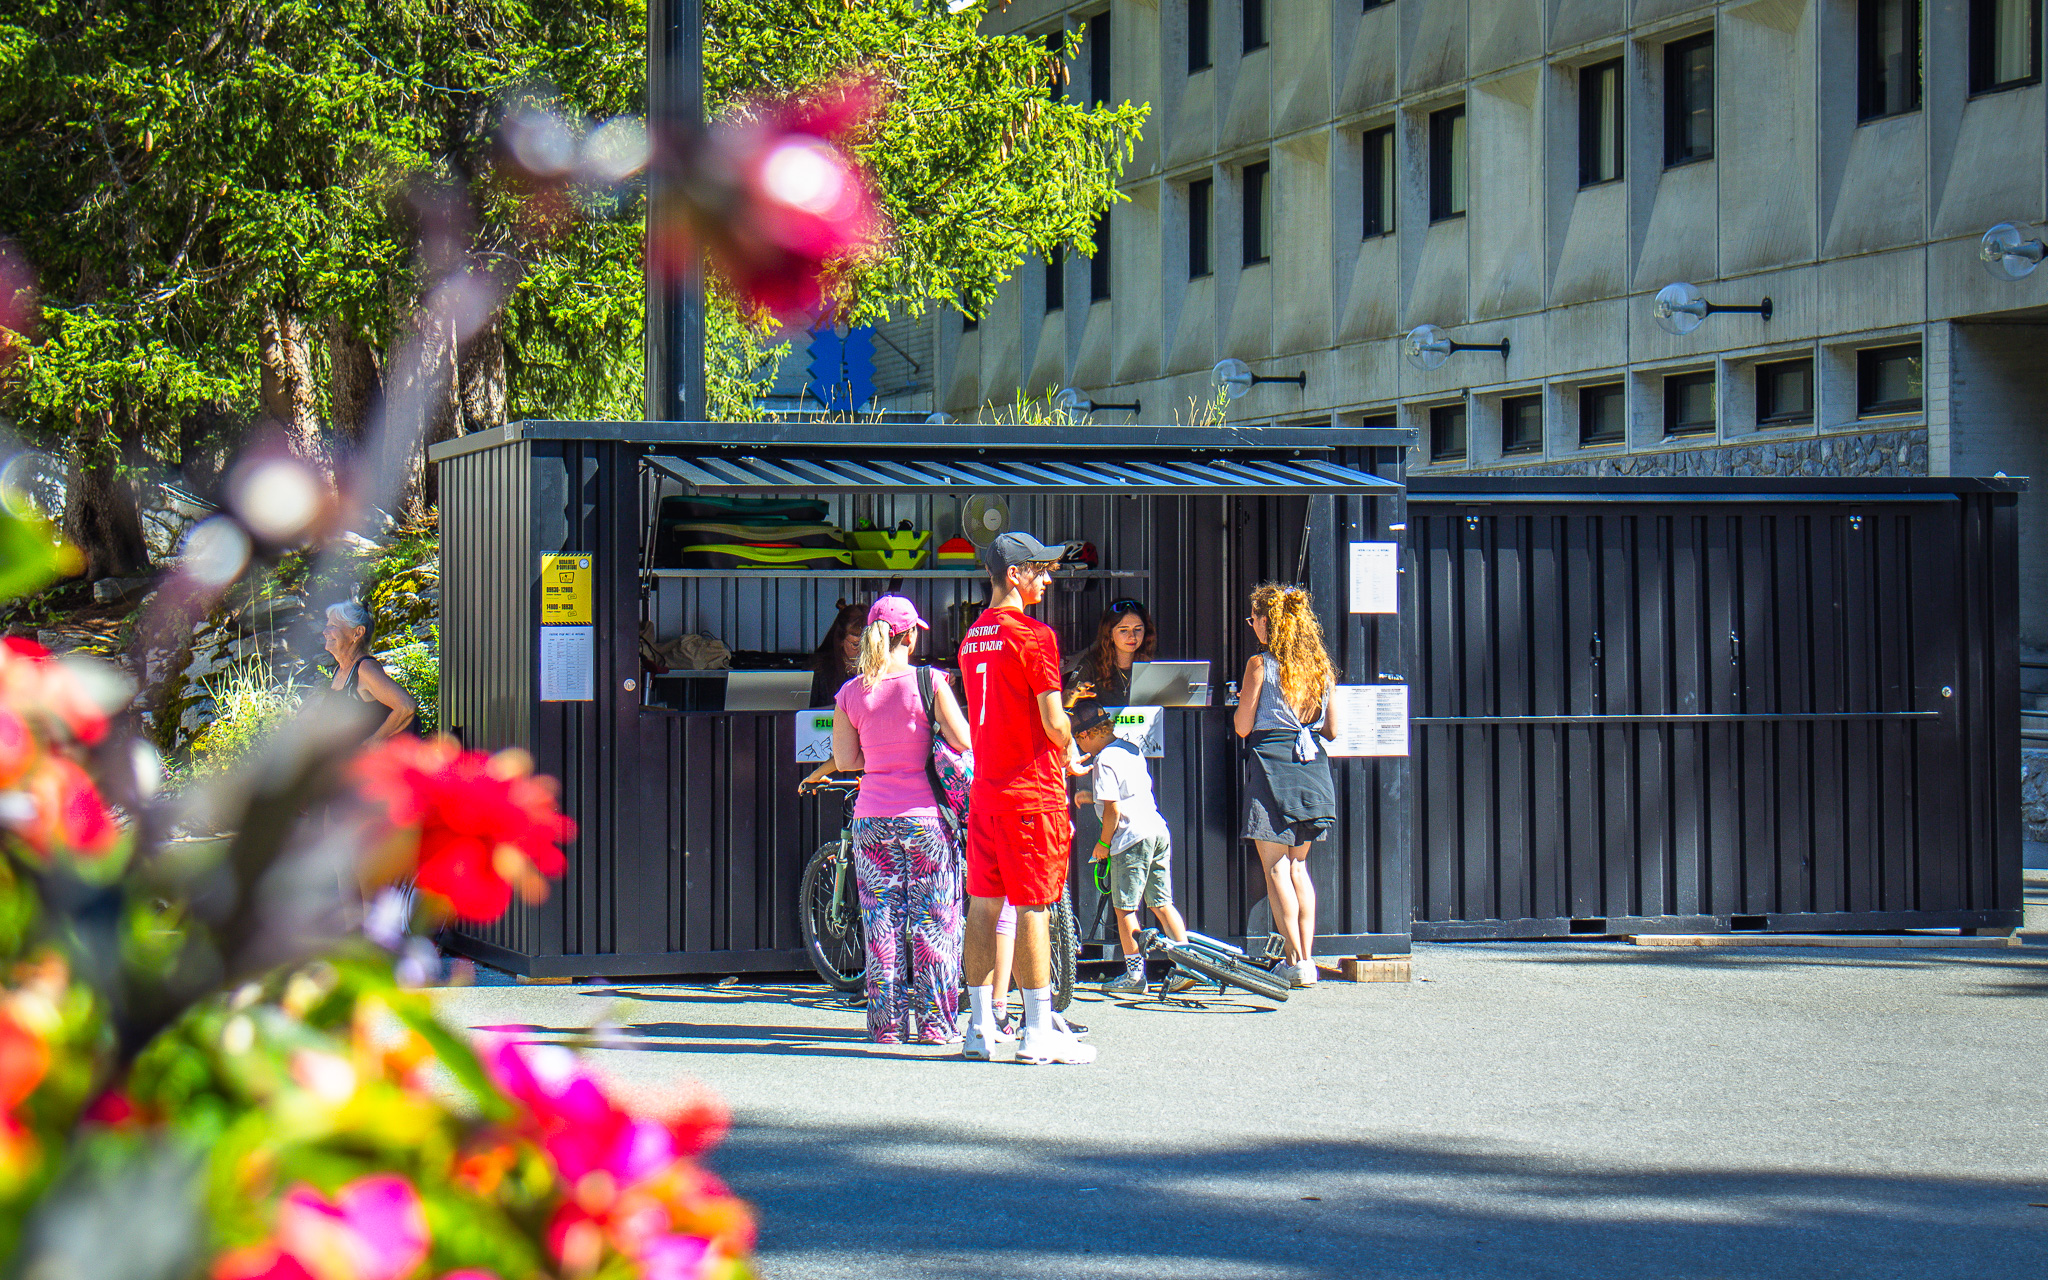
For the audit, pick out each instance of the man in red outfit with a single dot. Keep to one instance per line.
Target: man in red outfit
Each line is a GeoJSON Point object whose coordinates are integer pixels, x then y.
{"type": "Point", "coordinates": [1019, 830]}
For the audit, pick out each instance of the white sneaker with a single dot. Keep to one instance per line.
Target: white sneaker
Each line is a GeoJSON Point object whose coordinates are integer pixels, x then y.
{"type": "Point", "coordinates": [1305, 974]}
{"type": "Point", "coordinates": [1050, 1047]}
{"type": "Point", "coordinates": [974, 1046]}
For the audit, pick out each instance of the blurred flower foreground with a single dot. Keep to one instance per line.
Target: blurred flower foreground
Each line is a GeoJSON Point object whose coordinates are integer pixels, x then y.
{"type": "Point", "coordinates": [185, 1094]}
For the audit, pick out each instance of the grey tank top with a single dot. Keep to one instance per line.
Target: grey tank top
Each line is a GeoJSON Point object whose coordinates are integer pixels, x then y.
{"type": "Point", "coordinates": [1274, 713]}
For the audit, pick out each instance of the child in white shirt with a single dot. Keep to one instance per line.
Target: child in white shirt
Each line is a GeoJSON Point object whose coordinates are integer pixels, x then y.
{"type": "Point", "coordinates": [1134, 840]}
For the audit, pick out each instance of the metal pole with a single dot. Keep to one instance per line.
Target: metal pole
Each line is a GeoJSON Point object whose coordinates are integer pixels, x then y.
{"type": "Point", "coordinates": [675, 309]}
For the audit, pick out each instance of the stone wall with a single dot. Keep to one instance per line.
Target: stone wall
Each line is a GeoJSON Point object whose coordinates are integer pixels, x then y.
{"type": "Point", "coordinates": [2034, 793]}
{"type": "Point", "coordinates": [1877, 453]}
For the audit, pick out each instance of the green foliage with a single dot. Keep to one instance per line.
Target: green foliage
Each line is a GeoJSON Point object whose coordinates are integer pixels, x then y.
{"type": "Point", "coordinates": [415, 667]}
{"type": "Point", "coordinates": [249, 700]}
{"type": "Point", "coordinates": [31, 555]}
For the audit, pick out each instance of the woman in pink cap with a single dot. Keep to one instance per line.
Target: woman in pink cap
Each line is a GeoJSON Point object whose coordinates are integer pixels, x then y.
{"type": "Point", "coordinates": [904, 856]}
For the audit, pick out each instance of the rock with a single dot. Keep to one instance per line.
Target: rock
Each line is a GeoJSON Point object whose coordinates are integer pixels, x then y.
{"type": "Point", "coordinates": [115, 590]}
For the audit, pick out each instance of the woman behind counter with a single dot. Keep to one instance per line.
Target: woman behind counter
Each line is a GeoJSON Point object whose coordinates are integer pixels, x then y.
{"type": "Point", "coordinates": [903, 856]}
{"type": "Point", "coordinates": [1124, 636]}
{"type": "Point", "coordinates": [838, 655]}
{"type": "Point", "coordinates": [1290, 798]}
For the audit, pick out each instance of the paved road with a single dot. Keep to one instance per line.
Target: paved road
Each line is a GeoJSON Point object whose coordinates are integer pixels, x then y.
{"type": "Point", "coordinates": [1520, 1111]}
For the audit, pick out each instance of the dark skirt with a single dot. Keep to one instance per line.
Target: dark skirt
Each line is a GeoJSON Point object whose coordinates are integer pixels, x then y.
{"type": "Point", "coordinates": [1287, 801]}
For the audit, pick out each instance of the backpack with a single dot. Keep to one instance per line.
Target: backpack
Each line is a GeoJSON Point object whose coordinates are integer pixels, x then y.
{"type": "Point", "coordinates": [950, 772]}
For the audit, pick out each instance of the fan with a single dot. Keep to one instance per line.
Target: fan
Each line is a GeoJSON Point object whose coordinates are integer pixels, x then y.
{"type": "Point", "coordinates": [984, 517]}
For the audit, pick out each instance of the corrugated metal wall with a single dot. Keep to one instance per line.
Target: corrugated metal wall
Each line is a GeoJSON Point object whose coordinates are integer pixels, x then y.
{"type": "Point", "coordinates": [1642, 713]}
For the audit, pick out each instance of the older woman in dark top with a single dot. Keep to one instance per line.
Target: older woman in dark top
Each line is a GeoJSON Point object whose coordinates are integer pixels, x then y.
{"type": "Point", "coordinates": [360, 678]}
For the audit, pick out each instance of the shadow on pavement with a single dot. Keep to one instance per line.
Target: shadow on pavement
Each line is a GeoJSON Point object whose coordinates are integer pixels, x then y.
{"type": "Point", "coordinates": [910, 1202]}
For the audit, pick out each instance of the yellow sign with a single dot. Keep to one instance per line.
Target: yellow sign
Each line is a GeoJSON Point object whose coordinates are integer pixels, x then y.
{"type": "Point", "coordinates": [565, 590]}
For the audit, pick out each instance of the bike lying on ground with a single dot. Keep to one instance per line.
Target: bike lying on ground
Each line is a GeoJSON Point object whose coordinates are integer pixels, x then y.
{"type": "Point", "coordinates": [1204, 957]}
{"type": "Point", "coordinates": [828, 907]}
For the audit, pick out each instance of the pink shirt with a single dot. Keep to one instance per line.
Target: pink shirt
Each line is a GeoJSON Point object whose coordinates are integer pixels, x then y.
{"type": "Point", "coordinates": [895, 741]}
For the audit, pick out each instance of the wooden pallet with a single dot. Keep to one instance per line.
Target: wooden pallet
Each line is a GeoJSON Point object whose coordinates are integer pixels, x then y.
{"type": "Point", "coordinates": [1370, 969]}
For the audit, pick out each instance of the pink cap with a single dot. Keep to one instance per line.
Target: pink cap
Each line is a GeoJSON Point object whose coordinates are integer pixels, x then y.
{"type": "Point", "coordinates": [899, 613]}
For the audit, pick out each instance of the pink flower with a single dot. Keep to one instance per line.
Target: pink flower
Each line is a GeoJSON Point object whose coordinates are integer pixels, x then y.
{"type": "Point", "coordinates": [69, 814]}
{"type": "Point", "coordinates": [373, 1229]}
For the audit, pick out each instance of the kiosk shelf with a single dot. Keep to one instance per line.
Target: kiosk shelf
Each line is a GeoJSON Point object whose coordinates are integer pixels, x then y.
{"type": "Point", "coordinates": [881, 575]}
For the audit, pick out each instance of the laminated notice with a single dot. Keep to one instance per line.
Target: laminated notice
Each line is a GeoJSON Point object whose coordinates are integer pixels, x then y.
{"type": "Point", "coordinates": [565, 590]}
{"type": "Point", "coordinates": [1142, 727]}
{"type": "Point", "coordinates": [1375, 573]}
{"type": "Point", "coordinates": [568, 664]}
{"type": "Point", "coordinates": [1372, 720]}
{"type": "Point", "coordinates": [814, 736]}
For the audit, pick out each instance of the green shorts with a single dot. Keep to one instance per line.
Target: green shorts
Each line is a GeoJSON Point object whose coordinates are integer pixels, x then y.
{"type": "Point", "coordinates": [1138, 874]}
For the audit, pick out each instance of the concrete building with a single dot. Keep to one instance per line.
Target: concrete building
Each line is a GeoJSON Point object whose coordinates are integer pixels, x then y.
{"type": "Point", "coordinates": [1320, 177]}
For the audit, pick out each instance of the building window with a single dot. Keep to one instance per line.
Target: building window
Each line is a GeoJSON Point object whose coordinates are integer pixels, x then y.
{"type": "Point", "coordinates": [1056, 279]}
{"type": "Point", "coordinates": [1370, 5]}
{"type": "Point", "coordinates": [1887, 58]}
{"type": "Point", "coordinates": [1447, 163]}
{"type": "Point", "coordinates": [1258, 213]}
{"type": "Point", "coordinates": [1888, 380]}
{"type": "Point", "coordinates": [2005, 44]}
{"type": "Point", "coordinates": [1254, 13]}
{"type": "Point", "coordinates": [1379, 420]}
{"type": "Point", "coordinates": [1784, 393]}
{"type": "Point", "coordinates": [1689, 404]}
{"type": "Point", "coordinates": [1379, 182]}
{"type": "Point", "coordinates": [1600, 123]}
{"type": "Point", "coordinates": [968, 324]}
{"type": "Point", "coordinates": [1689, 100]}
{"type": "Point", "coordinates": [1198, 36]}
{"type": "Point", "coordinates": [1056, 48]}
{"type": "Point", "coordinates": [1521, 424]}
{"type": "Point", "coordinates": [1098, 265]}
{"type": "Point", "coordinates": [1447, 433]}
{"type": "Point", "coordinates": [1098, 60]}
{"type": "Point", "coordinates": [1201, 207]}
{"type": "Point", "coordinates": [1603, 416]}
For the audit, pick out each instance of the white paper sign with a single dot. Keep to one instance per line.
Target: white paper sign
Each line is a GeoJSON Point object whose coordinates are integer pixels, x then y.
{"type": "Point", "coordinates": [813, 736]}
{"type": "Point", "coordinates": [1375, 571]}
{"type": "Point", "coordinates": [1372, 720]}
{"type": "Point", "coordinates": [567, 664]}
{"type": "Point", "coordinates": [1144, 728]}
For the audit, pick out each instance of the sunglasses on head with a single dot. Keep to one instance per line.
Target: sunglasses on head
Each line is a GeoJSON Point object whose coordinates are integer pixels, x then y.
{"type": "Point", "coordinates": [1125, 605]}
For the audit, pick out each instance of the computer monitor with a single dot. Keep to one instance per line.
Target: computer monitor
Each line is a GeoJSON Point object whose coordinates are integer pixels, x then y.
{"type": "Point", "coordinates": [767, 690]}
{"type": "Point", "coordinates": [1169, 684]}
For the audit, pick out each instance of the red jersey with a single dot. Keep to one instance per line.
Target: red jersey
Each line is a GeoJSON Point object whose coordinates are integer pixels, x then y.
{"type": "Point", "coordinates": [1009, 659]}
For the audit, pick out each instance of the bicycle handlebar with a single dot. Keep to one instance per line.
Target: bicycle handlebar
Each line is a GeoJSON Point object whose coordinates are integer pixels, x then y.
{"type": "Point", "coordinates": [848, 785]}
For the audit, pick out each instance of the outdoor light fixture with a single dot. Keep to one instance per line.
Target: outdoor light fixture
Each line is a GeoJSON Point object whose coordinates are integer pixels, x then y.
{"type": "Point", "coordinates": [1427, 347]}
{"type": "Point", "coordinates": [1235, 379]}
{"type": "Point", "coordinates": [1073, 403]}
{"type": "Point", "coordinates": [2008, 254]}
{"type": "Point", "coordinates": [1680, 309]}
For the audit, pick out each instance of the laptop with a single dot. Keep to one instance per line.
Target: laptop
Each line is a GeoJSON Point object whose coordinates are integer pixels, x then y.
{"type": "Point", "coordinates": [1169, 684]}
{"type": "Point", "coordinates": [767, 690]}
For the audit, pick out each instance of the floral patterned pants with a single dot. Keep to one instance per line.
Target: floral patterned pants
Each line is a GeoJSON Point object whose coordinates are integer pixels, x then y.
{"type": "Point", "coordinates": [909, 876]}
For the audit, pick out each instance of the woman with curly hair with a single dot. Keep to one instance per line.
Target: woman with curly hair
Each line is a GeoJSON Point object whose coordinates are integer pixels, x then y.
{"type": "Point", "coordinates": [1283, 714]}
{"type": "Point", "coordinates": [1124, 636]}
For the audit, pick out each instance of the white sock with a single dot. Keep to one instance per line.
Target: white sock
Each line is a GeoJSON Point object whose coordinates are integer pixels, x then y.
{"type": "Point", "coordinates": [1037, 1011]}
{"type": "Point", "coordinates": [981, 1009]}
{"type": "Point", "coordinates": [1134, 965]}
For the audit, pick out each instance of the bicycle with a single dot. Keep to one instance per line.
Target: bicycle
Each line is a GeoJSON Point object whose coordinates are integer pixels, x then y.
{"type": "Point", "coordinates": [1205, 957]}
{"type": "Point", "coordinates": [835, 941]}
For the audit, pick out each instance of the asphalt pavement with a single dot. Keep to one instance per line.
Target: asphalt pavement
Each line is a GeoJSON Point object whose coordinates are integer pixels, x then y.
{"type": "Point", "coordinates": [1519, 1111]}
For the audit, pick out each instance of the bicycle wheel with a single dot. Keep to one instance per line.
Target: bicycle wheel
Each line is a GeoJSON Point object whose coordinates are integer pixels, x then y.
{"type": "Point", "coordinates": [833, 937]}
{"type": "Point", "coordinates": [1233, 972]}
{"type": "Point", "coordinates": [1065, 947]}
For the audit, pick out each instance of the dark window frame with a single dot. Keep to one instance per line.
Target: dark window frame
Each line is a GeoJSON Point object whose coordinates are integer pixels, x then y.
{"type": "Point", "coordinates": [1599, 392]}
{"type": "Point", "coordinates": [1381, 188]}
{"type": "Point", "coordinates": [1201, 228]}
{"type": "Point", "coordinates": [1056, 45]}
{"type": "Point", "coordinates": [1592, 126]}
{"type": "Point", "coordinates": [968, 324]}
{"type": "Point", "coordinates": [1512, 445]}
{"type": "Point", "coordinates": [1873, 99]}
{"type": "Point", "coordinates": [1056, 281]}
{"type": "Point", "coordinates": [1867, 359]}
{"type": "Point", "coordinates": [1675, 387]}
{"type": "Point", "coordinates": [1253, 16]}
{"type": "Point", "coordinates": [1983, 20]}
{"type": "Point", "coordinates": [1769, 412]}
{"type": "Point", "coordinates": [1099, 78]}
{"type": "Point", "coordinates": [1678, 105]}
{"type": "Point", "coordinates": [1443, 134]}
{"type": "Point", "coordinates": [1198, 36]}
{"type": "Point", "coordinates": [1439, 430]}
{"type": "Point", "coordinates": [1370, 5]}
{"type": "Point", "coordinates": [1099, 261]}
{"type": "Point", "coordinates": [1258, 196]}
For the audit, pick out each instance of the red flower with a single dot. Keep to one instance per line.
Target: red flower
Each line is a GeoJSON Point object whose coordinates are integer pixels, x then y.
{"type": "Point", "coordinates": [69, 814]}
{"type": "Point", "coordinates": [32, 683]}
{"type": "Point", "coordinates": [24, 1060]}
{"type": "Point", "coordinates": [774, 201]}
{"type": "Point", "coordinates": [486, 824]}
{"type": "Point", "coordinates": [17, 747]}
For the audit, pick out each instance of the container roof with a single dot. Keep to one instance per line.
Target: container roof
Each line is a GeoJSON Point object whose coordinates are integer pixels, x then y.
{"type": "Point", "coordinates": [1045, 471]}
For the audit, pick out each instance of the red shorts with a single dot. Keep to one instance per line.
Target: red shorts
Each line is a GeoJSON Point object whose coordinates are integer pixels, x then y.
{"type": "Point", "coordinates": [1019, 856]}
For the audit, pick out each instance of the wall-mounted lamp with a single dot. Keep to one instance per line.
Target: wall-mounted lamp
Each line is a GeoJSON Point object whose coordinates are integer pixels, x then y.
{"type": "Point", "coordinates": [1235, 379]}
{"type": "Point", "coordinates": [1074, 404]}
{"type": "Point", "coordinates": [2008, 254]}
{"type": "Point", "coordinates": [1427, 347]}
{"type": "Point", "coordinates": [1680, 309]}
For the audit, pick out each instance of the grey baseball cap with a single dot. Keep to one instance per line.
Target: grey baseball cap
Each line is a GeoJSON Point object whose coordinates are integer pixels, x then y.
{"type": "Point", "coordinates": [1015, 550]}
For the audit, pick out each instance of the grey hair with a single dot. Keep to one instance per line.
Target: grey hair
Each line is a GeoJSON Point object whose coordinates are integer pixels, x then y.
{"type": "Point", "coordinates": [350, 613]}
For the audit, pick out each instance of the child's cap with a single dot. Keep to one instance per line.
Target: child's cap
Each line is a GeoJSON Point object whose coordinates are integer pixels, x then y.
{"type": "Point", "coordinates": [1089, 716]}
